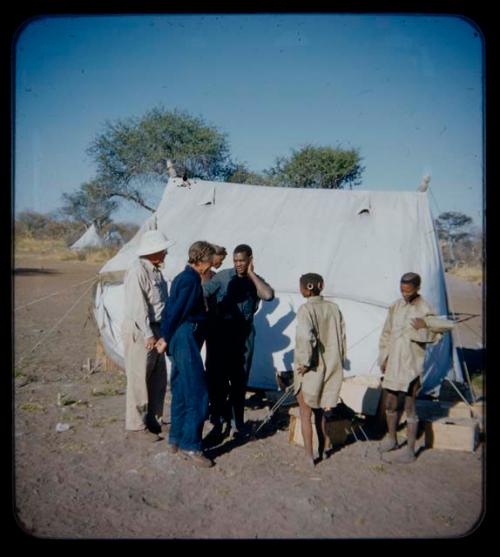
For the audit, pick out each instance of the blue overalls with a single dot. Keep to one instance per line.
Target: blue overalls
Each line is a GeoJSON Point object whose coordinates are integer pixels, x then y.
{"type": "Point", "coordinates": [182, 327]}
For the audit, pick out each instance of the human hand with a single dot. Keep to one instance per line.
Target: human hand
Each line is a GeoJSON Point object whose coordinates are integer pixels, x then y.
{"type": "Point", "coordinates": [250, 266]}
{"type": "Point", "coordinates": [149, 343]}
{"type": "Point", "coordinates": [161, 346]}
{"type": "Point", "coordinates": [418, 323]}
{"type": "Point", "coordinates": [302, 369]}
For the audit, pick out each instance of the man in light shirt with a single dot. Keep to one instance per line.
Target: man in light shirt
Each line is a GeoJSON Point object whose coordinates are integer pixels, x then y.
{"type": "Point", "coordinates": [145, 297]}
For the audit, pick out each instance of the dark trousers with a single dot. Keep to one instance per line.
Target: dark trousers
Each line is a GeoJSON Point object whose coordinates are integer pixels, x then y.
{"type": "Point", "coordinates": [230, 347]}
{"type": "Point", "coordinates": [189, 388]}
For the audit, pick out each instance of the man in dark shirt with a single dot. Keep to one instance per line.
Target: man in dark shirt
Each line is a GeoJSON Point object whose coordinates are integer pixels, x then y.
{"type": "Point", "coordinates": [182, 335]}
{"type": "Point", "coordinates": [237, 294]}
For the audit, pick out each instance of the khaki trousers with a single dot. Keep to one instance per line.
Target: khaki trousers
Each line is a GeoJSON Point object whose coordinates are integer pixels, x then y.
{"type": "Point", "coordinates": [146, 377]}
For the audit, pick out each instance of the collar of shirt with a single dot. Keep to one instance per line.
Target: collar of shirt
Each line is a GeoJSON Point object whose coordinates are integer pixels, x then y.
{"type": "Point", "coordinates": [314, 299]}
{"type": "Point", "coordinates": [413, 301]}
{"type": "Point", "coordinates": [191, 270]}
{"type": "Point", "coordinates": [146, 263]}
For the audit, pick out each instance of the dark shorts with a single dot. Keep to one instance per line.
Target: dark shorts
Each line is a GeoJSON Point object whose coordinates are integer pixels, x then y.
{"type": "Point", "coordinates": [415, 384]}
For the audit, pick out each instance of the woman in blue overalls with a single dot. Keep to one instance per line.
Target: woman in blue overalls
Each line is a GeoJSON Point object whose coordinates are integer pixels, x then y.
{"type": "Point", "coordinates": [182, 335]}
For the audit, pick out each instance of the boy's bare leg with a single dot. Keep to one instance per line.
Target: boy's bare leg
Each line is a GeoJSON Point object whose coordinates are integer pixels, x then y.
{"type": "Point", "coordinates": [411, 423]}
{"type": "Point", "coordinates": [306, 425]}
{"type": "Point", "coordinates": [320, 423]}
{"type": "Point", "coordinates": [391, 415]}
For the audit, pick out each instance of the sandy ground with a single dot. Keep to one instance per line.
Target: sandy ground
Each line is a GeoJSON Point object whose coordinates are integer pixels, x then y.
{"type": "Point", "coordinates": [95, 481]}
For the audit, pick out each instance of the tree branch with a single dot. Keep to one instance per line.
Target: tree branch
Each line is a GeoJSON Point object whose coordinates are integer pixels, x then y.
{"type": "Point", "coordinates": [132, 197]}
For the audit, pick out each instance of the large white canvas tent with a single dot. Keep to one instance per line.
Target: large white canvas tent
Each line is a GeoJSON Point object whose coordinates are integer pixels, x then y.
{"type": "Point", "coordinates": [361, 242]}
{"type": "Point", "coordinates": [89, 239]}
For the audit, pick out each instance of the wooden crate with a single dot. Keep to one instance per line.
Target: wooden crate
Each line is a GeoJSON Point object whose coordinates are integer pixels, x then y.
{"type": "Point", "coordinates": [337, 431]}
{"type": "Point", "coordinates": [457, 434]}
{"type": "Point", "coordinates": [475, 410]}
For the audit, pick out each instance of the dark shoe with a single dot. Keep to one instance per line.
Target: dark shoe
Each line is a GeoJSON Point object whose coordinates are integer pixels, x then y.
{"type": "Point", "coordinates": [241, 431]}
{"type": "Point", "coordinates": [144, 435]}
{"type": "Point", "coordinates": [198, 458]}
{"type": "Point", "coordinates": [213, 438]}
{"type": "Point", "coordinates": [152, 424]}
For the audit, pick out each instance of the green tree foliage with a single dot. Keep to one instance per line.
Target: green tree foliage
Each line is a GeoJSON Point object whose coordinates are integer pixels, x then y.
{"type": "Point", "coordinates": [89, 204]}
{"type": "Point", "coordinates": [452, 230]}
{"type": "Point", "coordinates": [241, 174]}
{"type": "Point", "coordinates": [317, 167]}
{"type": "Point", "coordinates": [133, 152]}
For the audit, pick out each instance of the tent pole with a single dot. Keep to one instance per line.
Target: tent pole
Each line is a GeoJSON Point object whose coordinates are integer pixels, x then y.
{"type": "Point", "coordinates": [459, 393]}
{"type": "Point", "coordinates": [280, 401]}
{"type": "Point", "coordinates": [469, 383]}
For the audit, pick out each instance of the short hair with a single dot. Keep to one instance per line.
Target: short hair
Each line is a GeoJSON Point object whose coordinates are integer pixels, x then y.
{"type": "Point", "coordinates": [220, 250]}
{"type": "Point", "coordinates": [411, 278]}
{"type": "Point", "coordinates": [312, 282]}
{"type": "Point", "coordinates": [201, 251]}
{"type": "Point", "coordinates": [243, 248]}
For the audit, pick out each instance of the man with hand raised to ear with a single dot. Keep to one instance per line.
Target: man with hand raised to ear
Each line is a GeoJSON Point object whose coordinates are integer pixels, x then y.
{"type": "Point", "coordinates": [235, 294]}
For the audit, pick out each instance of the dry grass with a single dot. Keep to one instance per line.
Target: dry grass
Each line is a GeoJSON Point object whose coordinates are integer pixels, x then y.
{"type": "Point", "coordinates": [25, 245]}
{"type": "Point", "coordinates": [471, 273]}
{"type": "Point", "coordinates": [28, 245]}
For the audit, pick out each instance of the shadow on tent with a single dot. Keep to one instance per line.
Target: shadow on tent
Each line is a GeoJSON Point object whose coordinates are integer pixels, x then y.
{"type": "Point", "coordinates": [271, 339]}
{"type": "Point", "coordinates": [474, 359]}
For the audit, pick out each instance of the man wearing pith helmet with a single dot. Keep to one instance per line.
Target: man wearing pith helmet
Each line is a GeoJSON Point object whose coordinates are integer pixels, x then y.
{"type": "Point", "coordinates": [145, 298]}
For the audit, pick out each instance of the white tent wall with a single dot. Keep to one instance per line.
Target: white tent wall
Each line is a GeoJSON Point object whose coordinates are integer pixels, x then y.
{"type": "Point", "coordinates": [89, 239]}
{"type": "Point", "coordinates": [361, 243]}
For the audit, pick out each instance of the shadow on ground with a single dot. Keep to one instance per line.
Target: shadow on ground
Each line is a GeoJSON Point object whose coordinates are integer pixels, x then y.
{"type": "Point", "coordinates": [35, 271]}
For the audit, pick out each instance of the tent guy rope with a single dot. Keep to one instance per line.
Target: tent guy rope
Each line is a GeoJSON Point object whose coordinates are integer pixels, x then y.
{"type": "Point", "coordinates": [56, 324]}
{"type": "Point", "coordinates": [54, 294]}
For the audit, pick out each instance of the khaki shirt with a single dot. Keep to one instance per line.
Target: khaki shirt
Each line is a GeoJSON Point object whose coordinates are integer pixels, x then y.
{"type": "Point", "coordinates": [320, 342]}
{"type": "Point", "coordinates": [404, 346]}
{"type": "Point", "coordinates": [145, 295]}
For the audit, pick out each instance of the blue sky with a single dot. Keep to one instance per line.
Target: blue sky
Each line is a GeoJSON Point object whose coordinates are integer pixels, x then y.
{"type": "Point", "coordinates": [407, 91]}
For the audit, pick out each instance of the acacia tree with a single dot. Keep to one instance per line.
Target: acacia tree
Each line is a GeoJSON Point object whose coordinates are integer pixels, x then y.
{"type": "Point", "coordinates": [450, 226]}
{"type": "Point", "coordinates": [89, 204]}
{"type": "Point", "coordinates": [132, 153]}
{"type": "Point", "coordinates": [317, 167]}
{"type": "Point", "coordinates": [241, 174]}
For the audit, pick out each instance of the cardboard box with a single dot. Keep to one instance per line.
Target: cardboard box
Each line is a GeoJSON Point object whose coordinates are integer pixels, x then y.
{"type": "Point", "coordinates": [337, 431]}
{"type": "Point", "coordinates": [457, 434]}
{"type": "Point", "coordinates": [460, 410]}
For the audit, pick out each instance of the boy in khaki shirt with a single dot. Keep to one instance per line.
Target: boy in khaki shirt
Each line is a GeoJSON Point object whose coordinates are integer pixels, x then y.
{"type": "Point", "coordinates": [409, 327]}
{"type": "Point", "coordinates": [319, 355]}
